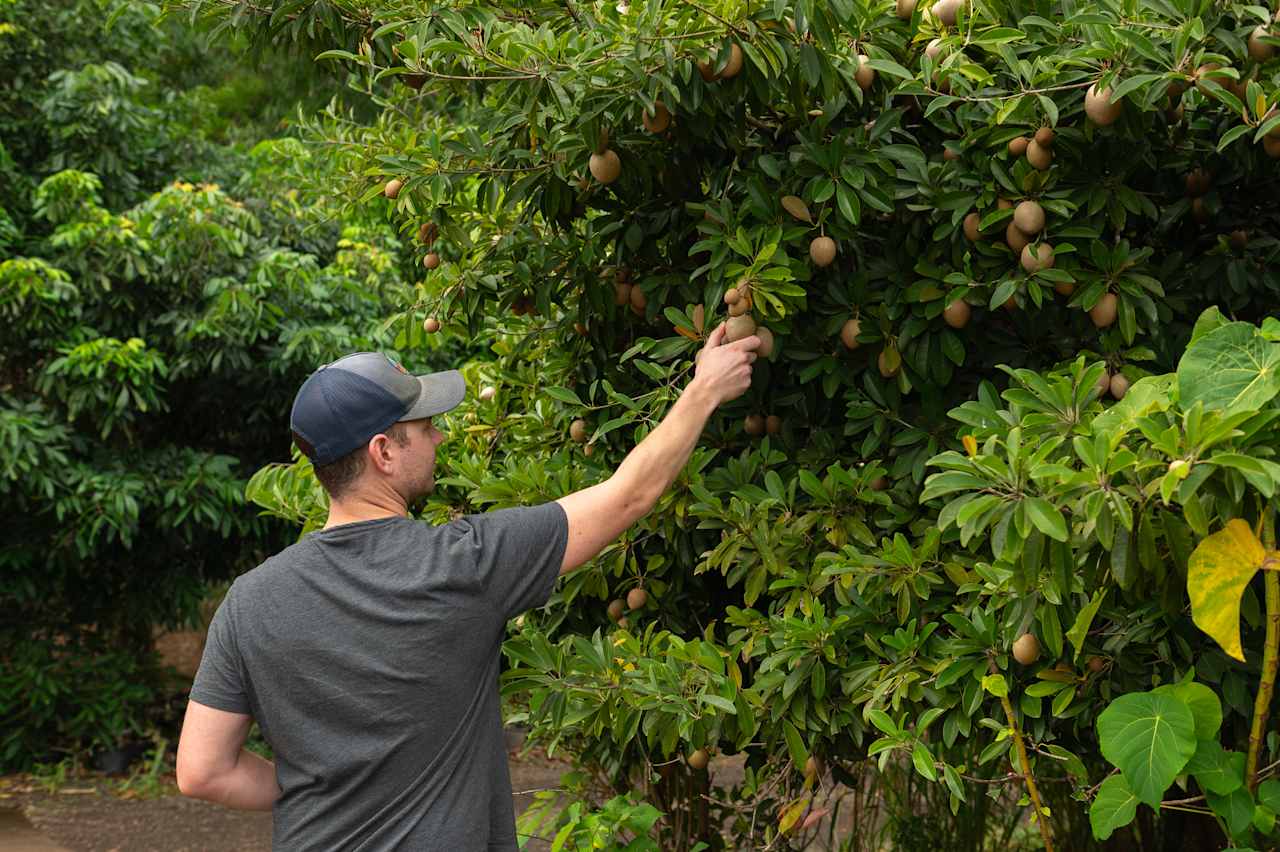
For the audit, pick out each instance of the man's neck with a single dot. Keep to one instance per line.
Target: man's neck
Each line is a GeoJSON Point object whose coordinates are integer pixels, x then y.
{"type": "Point", "coordinates": [353, 511]}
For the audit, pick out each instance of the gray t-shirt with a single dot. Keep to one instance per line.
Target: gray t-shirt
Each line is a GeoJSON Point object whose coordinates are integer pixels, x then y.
{"type": "Point", "coordinates": [368, 654]}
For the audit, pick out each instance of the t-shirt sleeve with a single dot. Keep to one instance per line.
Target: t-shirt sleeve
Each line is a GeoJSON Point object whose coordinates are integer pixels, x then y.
{"type": "Point", "coordinates": [517, 553]}
{"type": "Point", "coordinates": [219, 682]}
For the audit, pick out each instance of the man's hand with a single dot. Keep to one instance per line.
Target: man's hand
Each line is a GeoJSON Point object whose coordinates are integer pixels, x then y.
{"type": "Point", "coordinates": [724, 369]}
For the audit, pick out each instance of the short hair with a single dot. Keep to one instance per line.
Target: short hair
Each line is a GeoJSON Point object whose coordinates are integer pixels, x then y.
{"type": "Point", "coordinates": [337, 477]}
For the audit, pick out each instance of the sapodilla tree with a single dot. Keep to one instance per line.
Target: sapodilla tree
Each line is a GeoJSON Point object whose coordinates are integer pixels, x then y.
{"type": "Point", "coordinates": [869, 353]}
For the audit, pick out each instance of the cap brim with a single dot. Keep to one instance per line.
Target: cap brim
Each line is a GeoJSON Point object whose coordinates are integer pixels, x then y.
{"type": "Point", "coordinates": [440, 392]}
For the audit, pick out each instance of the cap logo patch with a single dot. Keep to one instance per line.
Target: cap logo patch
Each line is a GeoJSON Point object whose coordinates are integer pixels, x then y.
{"type": "Point", "coordinates": [397, 366]}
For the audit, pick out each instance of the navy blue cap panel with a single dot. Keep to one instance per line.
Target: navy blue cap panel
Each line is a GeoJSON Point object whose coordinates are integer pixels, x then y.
{"type": "Point", "coordinates": [339, 411]}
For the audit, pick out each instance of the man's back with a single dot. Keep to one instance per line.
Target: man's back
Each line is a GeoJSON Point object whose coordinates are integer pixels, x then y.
{"type": "Point", "coordinates": [368, 653]}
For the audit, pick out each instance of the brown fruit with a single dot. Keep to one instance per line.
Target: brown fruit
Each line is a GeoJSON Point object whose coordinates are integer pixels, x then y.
{"type": "Point", "coordinates": [1103, 384]}
{"type": "Point", "coordinates": [638, 299]}
{"type": "Point", "coordinates": [739, 328]}
{"type": "Point", "coordinates": [1064, 288]}
{"type": "Point", "coordinates": [1028, 217]}
{"type": "Point", "coordinates": [732, 296]}
{"type": "Point", "coordinates": [431, 260]}
{"type": "Point", "coordinates": [487, 393]}
{"type": "Point", "coordinates": [427, 232]}
{"type": "Point", "coordinates": [636, 598]}
{"type": "Point", "coordinates": [971, 231]}
{"type": "Point", "coordinates": [739, 308]}
{"type": "Point", "coordinates": [589, 450]}
{"type": "Point", "coordinates": [957, 313]}
{"type": "Point", "coordinates": [706, 70]}
{"type": "Point", "coordinates": [392, 189]}
{"type": "Point", "coordinates": [945, 11]}
{"type": "Point", "coordinates": [1199, 211]}
{"type": "Point", "coordinates": [1103, 313]}
{"type": "Point", "coordinates": [889, 364]}
{"type": "Point", "coordinates": [880, 483]}
{"type": "Point", "coordinates": [1198, 183]}
{"type": "Point", "coordinates": [1119, 386]}
{"type": "Point", "coordinates": [1018, 146]}
{"type": "Point", "coordinates": [659, 121]}
{"type": "Point", "coordinates": [578, 431]}
{"type": "Point", "coordinates": [765, 349]}
{"type": "Point", "coordinates": [605, 167]}
{"type": "Point", "coordinates": [621, 293]}
{"type": "Point", "coordinates": [865, 75]}
{"type": "Point", "coordinates": [1098, 106]}
{"type": "Point", "coordinates": [431, 325]}
{"type": "Point", "coordinates": [849, 333]}
{"type": "Point", "coordinates": [1260, 51]}
{"type": "Point", "coordinates": [623, 623]}
{"type": "Point", "coordinates": [1239, 240]}
{"type": "Point", "coordinates": [1037, 257]}
{"type": "Point", "coordinates": [734, 65]}
{"type": "Point", "coordinates": [1096, 664]}
{"type": "Point", "coordinates": [753, 425]}
{"type": "Point", "coordinates": [1027, 649]}
{"type": "Point", "coordinates": [1003, 204]}
{"type": "Point", "coordinates": [772, 424]}
{"type": "Point", "coordinates": [1039, 156]}
{"type": "Point", "coordinates": [1045, 137]}
{"type": "Point", "coordinates": [814, 767]}
{"type": "Point", "coordinates": [904, 8]}
{"type": "Point", "coordinates": [1271, 145]}
{"type": "Point", "coordinates": [933, 49]}
{"type": "Point", "coordinates": [616, 608]}
{"type": "Point", "coordinates": [698, 760]}
{"type": "Point", "coordinates": [699, 318]}
{"type": "Point", "coordinates": [949, 155]}
{"type": "Point", "coordinates": [580, 328]}
{"type": "Point", "coordinates": [1015, 238]}
{"type": "Point", "coordinates": [822, 250]}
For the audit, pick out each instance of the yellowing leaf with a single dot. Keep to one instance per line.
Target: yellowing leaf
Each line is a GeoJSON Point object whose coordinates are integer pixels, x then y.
{"type": "Point", "coordinates": [796, 207]}
{"type": "Point", "coordinates": [970, 445]}
{"type": "Point", "coordinates": [1217, 573]}
{"type": "Point", "coordinates": [791, 814]}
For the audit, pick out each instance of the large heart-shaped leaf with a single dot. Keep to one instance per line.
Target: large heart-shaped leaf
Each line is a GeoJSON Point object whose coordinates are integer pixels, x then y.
{"type": "Point", "coordinates": [1149, 737]}
{"type": "Point", "coordinates": [1217, 573]}
{"type": "Point", "coordinates": [1232, 368]}
{"type": "Point", "coordinates": [1236, 809]}
{"type": "Point", "coordinates": [1216, 770]}
{"type": "Point", "coordinates": [1114, 807]}
{"type": "Point", "coordinates": [1203, 703]}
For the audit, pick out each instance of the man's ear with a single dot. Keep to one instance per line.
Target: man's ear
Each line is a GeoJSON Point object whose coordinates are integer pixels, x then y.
{"type": "Point", "coordinates": [379, 450]}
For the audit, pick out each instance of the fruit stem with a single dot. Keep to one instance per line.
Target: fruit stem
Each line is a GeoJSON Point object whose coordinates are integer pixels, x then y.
{"type": "Point", "coordinates": [1027, 775]}
{"type": "Point", "coordinates": [1270, 657]}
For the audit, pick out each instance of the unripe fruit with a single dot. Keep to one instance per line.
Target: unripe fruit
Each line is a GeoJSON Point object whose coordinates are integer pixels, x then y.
{"type": "Point", "coordinates": [1044, 137]}
{"type": "Point", "coordinates": [1103, 313]}
{"type": "Point", "coordinates": [616, 608]}
{"type": "Point", "coordinates": [822, 250]}
{"type": "Point", "coordinates": [865, 75]}
{"type": "Point", "coordinates": [1119, 386]}
{"type": "Point", "coordinates": [945, 11]}
{"type": "Point", "coordinates": [659, 121]}
{"type": "Point", "coordinates": [636, 598]}
{"type": "Point", "coordinates": [904, 9]}
{"type": "Point", "coordinates": [1029, 218]}
{"type": "Point", "coordinates": [738, 328]}
{"type": "Point", "coordinates": [1098, 106]}
{"type": "Point", "coordinates": [1039, 156]}
{"type": "Point", "coordinates": [849, 333]}
{"type": "Point", "coordinates": [753, 425]}
{"type": "Point", "coordinates": [578, 431]}
{"type": "Point", "coordinates": [1015, 238]}
{"type": "Point", "coordinates": [1036, 258]}
{"type": "Point", "coordinates": [698, 760]}
{"type": "Point", "coordinates": [487, 393]}
{"type": "Point", "coordinates": [772, 424]}
{"type": "Point", "coordinates": [888, 365]}
{"type": "Point", "coordinates": [971, 230]}
{"type": "Point", "coordinates": [392, 189]}
{"type": "Point", "coordinates": [1018, 146]}
{"type": "Point", "coordinates": [431, 325]}
{"type": "Point", "coordinates": [765, 349]}
{"type": "Point", "coordinates": [957, 314]}
{"type": "Point", "coordinates": [605, 167]}
{"type": "Point", "coordinates": [1027, 649]}
{"type": "Point", "coordinates": [431, 260]}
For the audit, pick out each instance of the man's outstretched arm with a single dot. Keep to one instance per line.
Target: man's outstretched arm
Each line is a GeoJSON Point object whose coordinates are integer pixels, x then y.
{"type": "Point", "coordinates": [214, 765]}
{"type": "Point", "coordinates": [599, 514]}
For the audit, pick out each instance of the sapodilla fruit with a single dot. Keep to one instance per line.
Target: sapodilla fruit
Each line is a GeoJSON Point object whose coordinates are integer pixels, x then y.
{"type": "Point", "coordinates": [739, 308]}
{"type": "Point", "coordinates": [636, 598]}
{"type": "Point", "coordinates": [1103, 384]}
{"type": "Point", "coordinates": [1045, 136]}
{"type": "Point", "coordinates": [971, 231]}
{"type": "Point", "coordinates": [1004, 204]}
{"type": "Point", "coordinates": [1018, 146]}
{"type": "Point", "coordinates": [1098, 106]}
{"type": "Point", "coordinates": [1064, 288]}
{"type": "Point", "coordinates": [1028, 216]}
{"type": "Point", "coordinates": [1039, 156]}
{"type": "Point", "coordinates": [698, 760]}
{"type": "Point", "coordinates": [765, 349]}
{"type": "Point", "coordinates": [487, 393]}
{"type": "Point", "coordinates": [431, 325]}
{"type": "Point", "coordinates": [621, 293]}
{"type": "Point", "coordinates": [1015, 239]}
{"type": "Point", "coordinates": [957, 314]}
{"type": "Point", "coordinates": [889, 365]}
{"type": "Point", "coordinates": [772, 424]}
{"type": "Point", "coordinates": [1037, 257]}
{"type": "Point", "coordinates": [578, 431]}
{"type": "Point", "coordinates": [431, 260]}
{"type": "Point", "coordinates": [1027, 649]}
{"type": "Point", "coordinates": [822, 250]}
{"type": "Point", "coordinates": [427, 233]}
{"type": "Point", "coordinates": [616, 608]}
{"type": "Point", "coordinates": [734, 63]}
{"type": "Point", "coordinates": [638, 299]}
{"type": "Point", "coordinates": [605, 166]}
{"type": "Point", "coordinates": [659, 121]}
{"type": "Point", "coordinates": [849, 333]}
{"type": "Point", "coordinates": [1198, 182]}
{"type": "Point", "coordinates": [1271, 145]}
{"type": "Point", "coordinates": [1119, 386]}
{"type": "Point", "coordinates": [1260, 51]}
{"type": "Point", "coordinates": [1103, 313]}
{"type": "Point", "coordinates": [880, 483]}
{"type": "Point", "coordinates": [945, 11]}
{"type": "Point", "coordinates": [904, 9]}
{"type": "Point", "coordinates": [392, 189]}
{"type": "Point", "coordinates": [933, 49]}
{"type": "Point", "coordinates": [739, 328]}
{"type": "Point", "coordinates": [865, 75]}
{"type": "Point", "coordinates": [753, 425]}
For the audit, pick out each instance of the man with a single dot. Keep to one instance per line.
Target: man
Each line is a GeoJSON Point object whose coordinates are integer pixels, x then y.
{"type": "Point", "coordinates": [368, 651]}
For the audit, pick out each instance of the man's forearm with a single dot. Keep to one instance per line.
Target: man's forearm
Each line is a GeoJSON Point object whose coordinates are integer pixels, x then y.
{"type": "Point", "coordinates": [657, 460]}
{"type": "Point", "coordinates": [250, 786]}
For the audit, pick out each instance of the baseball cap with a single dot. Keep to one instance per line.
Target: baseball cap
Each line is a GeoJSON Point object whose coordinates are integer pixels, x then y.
{"type": "Point", "coordinates": [343, 404]}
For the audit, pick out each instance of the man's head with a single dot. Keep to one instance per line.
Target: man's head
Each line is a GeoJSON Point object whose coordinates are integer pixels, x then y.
{"type": "Point", "coordinates": [364, 422]}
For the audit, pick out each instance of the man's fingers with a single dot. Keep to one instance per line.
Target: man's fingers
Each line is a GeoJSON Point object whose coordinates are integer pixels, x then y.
{"type": "Point", "coordinates": [749, 342]}
{"type": "Point", "coordinates": [716, 337]}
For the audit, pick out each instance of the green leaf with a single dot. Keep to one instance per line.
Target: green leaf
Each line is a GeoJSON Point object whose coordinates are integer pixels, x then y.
{"type": "Point", "coordinates": [996, 685]}
{"type": "Point", "coordinates": [1269, 794]}
{"type": "Point", "coordinates": [1150, 738]}
{"type": "Point", "coordinates": [1080, 627]}
{"type": "Point", "coordinates": [564, 395]}
{"type": "Point", "coordinates": [1216, 770]}
{"type": "Point", "coordinates": [1220, 568]}
{"type": "Point", "coordinates": [923, 760]}
{"type": "Point", "coordinates": [1114, 807]}
{"type": "Point", "coordinates": [795, 745]}
{"type": "Point", "coordinates": [1232, 368]}
{"type": "Point", "coordinates": [1235, 808]}
{"type": "Point", "coordinates": [1203, 703]}
{"type": "Point", "coordinates": [1046, 517]}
